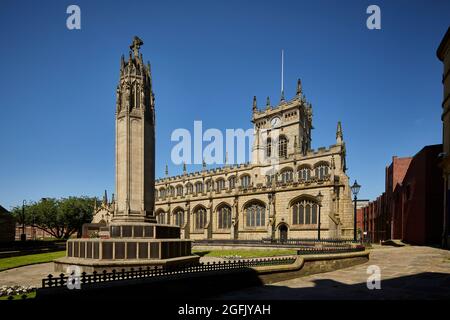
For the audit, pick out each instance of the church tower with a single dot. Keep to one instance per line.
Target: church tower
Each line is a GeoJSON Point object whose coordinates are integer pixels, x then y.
{"type": "Point", "coordinates": [135, 140]}
{"type": "Point", "coordinates": [282, 131]}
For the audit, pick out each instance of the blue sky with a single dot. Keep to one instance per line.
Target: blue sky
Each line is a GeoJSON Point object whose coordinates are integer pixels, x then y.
{"type": "Point", "coordinates": [208, 60]}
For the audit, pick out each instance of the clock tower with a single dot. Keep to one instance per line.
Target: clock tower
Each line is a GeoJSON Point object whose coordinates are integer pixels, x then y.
{"type": "Point", "coordinates": [283, 130]}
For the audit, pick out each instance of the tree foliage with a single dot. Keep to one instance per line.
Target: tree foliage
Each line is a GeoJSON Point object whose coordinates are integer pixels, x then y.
{"type": "Point", "coordinates": [59, 217]}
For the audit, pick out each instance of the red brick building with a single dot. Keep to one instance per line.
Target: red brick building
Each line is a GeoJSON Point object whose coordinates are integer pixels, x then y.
{"type": "Point", "coordinates": [411, 207]}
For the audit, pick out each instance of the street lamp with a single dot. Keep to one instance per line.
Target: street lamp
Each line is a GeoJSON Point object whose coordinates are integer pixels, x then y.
{"type": "Point", "coordinates": [355, 189]}
{"type": "Point", "coordinates": [319, 202]}
{"type": "Point", "coordinates": [23, 236]}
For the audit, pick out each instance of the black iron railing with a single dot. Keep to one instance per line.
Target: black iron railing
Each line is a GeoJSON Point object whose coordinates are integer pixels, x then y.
{"type": "Point", "coordinates": [330, 250]}
{"type": "Point", "coordinates": [158, 271]}
{"type": "Point", "coordinates": [280, 242]}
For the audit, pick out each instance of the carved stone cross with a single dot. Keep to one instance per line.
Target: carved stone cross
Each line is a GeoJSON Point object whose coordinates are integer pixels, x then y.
{"type": "Point", "coordinates": [135, 45]}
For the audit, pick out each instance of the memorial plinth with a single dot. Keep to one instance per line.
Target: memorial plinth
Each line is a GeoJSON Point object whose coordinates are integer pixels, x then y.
{"type": "Point", "coordinates": [129, 246]}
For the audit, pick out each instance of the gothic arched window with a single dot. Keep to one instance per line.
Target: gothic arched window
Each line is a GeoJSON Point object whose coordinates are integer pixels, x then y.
{"type": "Point", "coordinates": [208, 185]}
{"type": "Point", "coordinates": [162, 193]}
{"type": "Point", "coordinates": [269, 147]}
{"type": "Point", "coordinates": [304, 174]}
{"type": "Point", "coordinates": [220, 184]}
{"type": "Point", "coordinates": [179, 217]}
{"type": "Point", "coordinates": [232, 182]}
{"type": "Point", "coordinates": [304, 212]}
{"type": "Point", "coordinates": [282, 147]}
{"type": "Point", "coordinates": [161, 217]}
{"type": "Point", "coordinates": [287, 176]}
{"type": "Point", "coordinates": [245, 181]}
{"type": "Point", "coordinates": [255, 215]}
{"type": "Point", "coordinates": [224, 217]}
{"type": "Point", "coordinates": [199, 187]}
{"type": "Point", "coordinates": [189, 188]}
{"type": "Point", "coordinates": [200, 218]}
{"type": "Point", "coordinates": [179, 191]}
{"type": "Point", "coordinates": [321, 171]}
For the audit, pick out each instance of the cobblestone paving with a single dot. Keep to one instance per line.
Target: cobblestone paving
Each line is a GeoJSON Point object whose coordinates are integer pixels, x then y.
{"type": "Point", "coordinates": [406, 273]}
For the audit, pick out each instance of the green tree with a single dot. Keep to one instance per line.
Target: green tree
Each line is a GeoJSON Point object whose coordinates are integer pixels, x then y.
{"type": "Point", "coordinates": [59, 217]}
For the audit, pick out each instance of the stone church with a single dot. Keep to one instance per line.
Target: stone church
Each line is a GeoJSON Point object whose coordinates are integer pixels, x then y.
{"type": "Point", "coordinates": [286, 191]}
{"type": "Point", "coordinates": [266, 198]}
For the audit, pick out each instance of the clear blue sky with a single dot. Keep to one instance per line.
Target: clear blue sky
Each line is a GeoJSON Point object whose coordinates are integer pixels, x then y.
{"type": "Point", "coordinates": [208, 59]}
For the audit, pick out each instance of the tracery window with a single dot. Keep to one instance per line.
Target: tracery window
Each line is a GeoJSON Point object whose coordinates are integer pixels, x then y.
{"type": "Point", "coordinates": [245, 181]}
{"type": "Point", "coordinates": [232, 182]}
{"type": "Point", "coordinates": [224, 217]}
{"type": "Point", "coordinates": [304, 212]}
{"type": "Point", "coordinates": [304, 174]}
{"type": "Point", "coordinates": [179, 217]}
{"type": "Point", "coordinates": [321, 172]}
{"type": "Point", "coordinates": [199, 187]}
{"type": "Point", "coordinates": [255, 215]}
{"type": "Point", "coordinates": [282, 147]}
{"type": "Point", "coordinates": [287, 176]}
{"type": "Point", "coordinates": [200, 218]}
{"type": "Point", "coordinates": [161, 217]}
{"type": "Point", "coordinates": [220, 184]}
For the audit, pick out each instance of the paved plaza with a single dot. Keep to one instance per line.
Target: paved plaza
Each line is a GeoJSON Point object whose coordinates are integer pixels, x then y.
{"type": "Point", "coordinates": [406, 273]}
{"type": "Point", "coordinates": [32, 275]}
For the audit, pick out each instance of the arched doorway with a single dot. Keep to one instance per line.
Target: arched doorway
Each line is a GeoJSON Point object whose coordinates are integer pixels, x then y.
{"type": "Point", "coordinates": [283, 232]}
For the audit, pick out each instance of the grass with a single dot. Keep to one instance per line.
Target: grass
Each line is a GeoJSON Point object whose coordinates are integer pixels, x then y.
{"type": "Point", "coordinates": [30, 295]}
{"type": "Point", "coordinates": [14, 262]}
{"type": "Point", "coordinates": [244, 253]}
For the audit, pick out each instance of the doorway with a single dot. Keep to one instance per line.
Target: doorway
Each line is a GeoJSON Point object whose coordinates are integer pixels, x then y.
{"type": "Point", "coordinates": [283, 232]}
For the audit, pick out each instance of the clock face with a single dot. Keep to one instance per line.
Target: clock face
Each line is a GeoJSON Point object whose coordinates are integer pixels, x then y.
{"type": "Point", "coordinates": [275, 122]}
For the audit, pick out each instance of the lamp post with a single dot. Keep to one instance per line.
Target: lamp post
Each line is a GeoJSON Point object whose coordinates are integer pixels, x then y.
{"type": "Point", "coordinates": [23, 236]}
{"type": "Point", "coordinates": [319, 201]}
{"type": "Point", "coordinates": [355, 189]}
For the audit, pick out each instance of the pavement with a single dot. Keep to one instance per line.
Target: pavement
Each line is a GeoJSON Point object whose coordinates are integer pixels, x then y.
{"type": "Point", "coordinates": [32, 275]}
{"type": "Point", "coordinates": [408, 272]}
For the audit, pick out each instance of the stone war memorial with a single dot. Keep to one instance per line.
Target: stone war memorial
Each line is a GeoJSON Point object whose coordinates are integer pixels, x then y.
{"type": "Point", "coordinates": [132, 238]}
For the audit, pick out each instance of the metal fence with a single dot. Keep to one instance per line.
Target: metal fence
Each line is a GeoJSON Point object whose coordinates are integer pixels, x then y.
{"type": "Point", "coordinates": [330, 250]}
{"type": "Point", "coordinates": [335, 242]}
{"type": "Point", "coordinates": [159, 271]}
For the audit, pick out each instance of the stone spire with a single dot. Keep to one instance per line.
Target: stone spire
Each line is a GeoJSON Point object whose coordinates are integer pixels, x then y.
{"type": "Point", "coordinates": [299, 87]}
{"type": "Point", "coordinates": [184, 168]}
{"type": "Point", "coordinates": [105, 198]}
{"type": "Point", "coordinates": [339, 136]}
{"type": "Point", "coordinates": [268, 102]}
{"type": "Point", "coordinates": [255, 107]}
{"type": "Point", "coordinates": [167, 170]}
